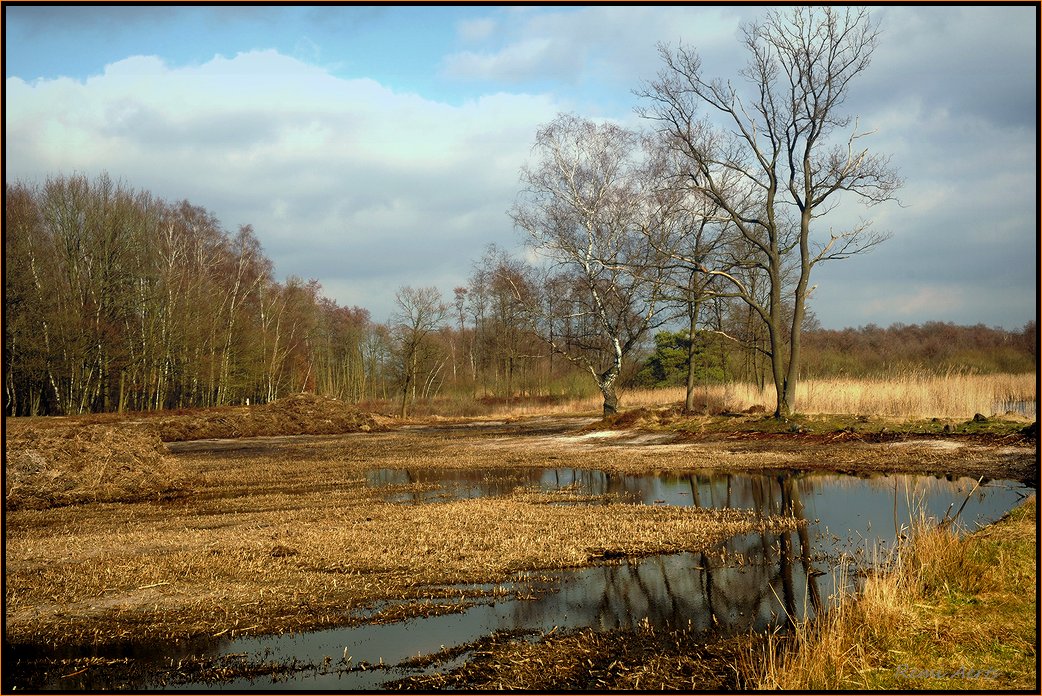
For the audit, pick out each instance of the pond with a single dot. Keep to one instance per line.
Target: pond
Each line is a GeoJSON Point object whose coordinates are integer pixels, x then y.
{"type": "Point", "coordinates": [754, 581]}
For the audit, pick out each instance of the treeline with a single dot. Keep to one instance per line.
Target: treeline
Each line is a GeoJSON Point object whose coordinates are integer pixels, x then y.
{"type": "Point", "coordinates": [115, 300]}
{"type": "Point", "coordinates": [868, 351]}
{"type": "Point", "coordinates": [933, 347]}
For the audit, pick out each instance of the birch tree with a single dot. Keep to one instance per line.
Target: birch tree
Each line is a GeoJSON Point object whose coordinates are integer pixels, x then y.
{"type": "Point", "coordinates": [420, 313]}
{"type": "Point", "coordinates": [584, 206]}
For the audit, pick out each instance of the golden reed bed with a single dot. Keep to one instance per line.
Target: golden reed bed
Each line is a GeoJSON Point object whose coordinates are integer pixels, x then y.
{"type": "Point", "coordinates": [904, 395]}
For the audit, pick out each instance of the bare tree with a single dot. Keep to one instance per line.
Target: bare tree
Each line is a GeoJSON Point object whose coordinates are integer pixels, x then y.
{"type": "Point", "coordinates": [688, 233]}
{"type": "Point", "coordinates": [420, 313]}
{"type": "Point", "coordinates": [502, 289]}
{"type": "Point", "coordinates": [783, 157]}
{"type": "Point", "coordinates": [584, 205]}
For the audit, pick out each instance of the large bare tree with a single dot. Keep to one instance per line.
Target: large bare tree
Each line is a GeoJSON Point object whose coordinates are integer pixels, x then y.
{"type": "Point", "coordinates": [584, 206]}
{"type": "Point", "coordinates": [778, 157]}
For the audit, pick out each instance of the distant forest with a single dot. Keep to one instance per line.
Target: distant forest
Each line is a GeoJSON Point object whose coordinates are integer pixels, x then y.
{"type": "Point", "coordinates": [869, 351]}
{"type": "Point", "coordinates": [115, 300]}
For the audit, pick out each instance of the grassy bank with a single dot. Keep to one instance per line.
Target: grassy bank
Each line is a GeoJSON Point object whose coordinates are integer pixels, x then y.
{"type": "Point", "coordinates": [952, 614]}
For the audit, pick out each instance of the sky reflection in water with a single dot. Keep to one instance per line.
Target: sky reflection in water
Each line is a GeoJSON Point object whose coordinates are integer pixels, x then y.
{"type": "Point", "coordinates": [752, 581]}
{"type": "Point", "coordinates": [758, 582]}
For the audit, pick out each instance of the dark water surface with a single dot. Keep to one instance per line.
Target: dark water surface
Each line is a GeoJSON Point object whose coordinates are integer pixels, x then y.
{"type": "Point", "coordinates": [753, 581]}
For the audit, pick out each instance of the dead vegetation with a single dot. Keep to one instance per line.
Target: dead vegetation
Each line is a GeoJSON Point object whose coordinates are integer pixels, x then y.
{"type": "Point", "coordinates": [55, 466]}
{"type": "Point", "coordinates": [298, 414]}
{"type": "Point", "coordinates": [291, 538]}
{"type": "Point", "coordinates": [285, 534]}
{"type": "Point", "coordinates": [588, 660]}
{"type": "Point", "coordinates": [63, 461]}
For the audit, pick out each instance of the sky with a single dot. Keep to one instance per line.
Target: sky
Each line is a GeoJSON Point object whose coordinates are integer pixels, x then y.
{"type": "Point", "coordinates": [372, 147]}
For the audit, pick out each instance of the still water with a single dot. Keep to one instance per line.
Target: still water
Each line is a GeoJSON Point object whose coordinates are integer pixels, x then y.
{"type": "Point", "coordinates": [754, 581]}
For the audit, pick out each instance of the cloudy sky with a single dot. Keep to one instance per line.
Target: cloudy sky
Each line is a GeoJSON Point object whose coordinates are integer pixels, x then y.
{"type": "Point", "coordinates": [374, 147]}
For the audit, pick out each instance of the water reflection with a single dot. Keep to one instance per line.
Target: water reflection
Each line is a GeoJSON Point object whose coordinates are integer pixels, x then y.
{"type": "Point", "coordinates": [842, 504]}
{"type": "Point", "coordinates": [751, 582]}
{"type": "Point", "coordinates": [1022, 408]}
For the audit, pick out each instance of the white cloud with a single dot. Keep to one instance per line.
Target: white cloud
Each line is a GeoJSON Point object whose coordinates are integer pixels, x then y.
{"type": "Point", "coordinates": [340, 178]}
{"type": "Point", "coordinates": [476, 29]}
{"type": "Point", "coordinates": [519, 61]}
{"type": "Point", "coordinates": [614, 44]}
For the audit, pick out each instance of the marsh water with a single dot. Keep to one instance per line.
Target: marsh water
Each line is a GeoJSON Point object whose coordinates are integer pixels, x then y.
{"type": "Point", "coordinates": [1028, 409]}
{"type": "Point", "coordinates": [754, 581]}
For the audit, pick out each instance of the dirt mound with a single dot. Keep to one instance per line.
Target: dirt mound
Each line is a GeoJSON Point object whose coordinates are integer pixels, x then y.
{"type": "Point", "coordinates": [636, 418]}
{"type": "Point", "coordinates": [309, 414]}
{"type": "Point", "coordinates": [299, 414]}
{"type": "Point", "coordinates": [67, 464]}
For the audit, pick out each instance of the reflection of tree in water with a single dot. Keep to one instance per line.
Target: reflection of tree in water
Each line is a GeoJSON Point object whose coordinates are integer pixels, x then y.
{"type": "Point", "coordinates": [749, 582]}
{"type": "Point", "coordinates": [752, 581]}
{"type": "Point", "coordinates": [766, 584]}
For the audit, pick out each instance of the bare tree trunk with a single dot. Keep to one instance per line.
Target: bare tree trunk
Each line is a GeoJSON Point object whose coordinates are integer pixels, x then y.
{"type": "Point", "coordinates": [405, 393]}
{"type": "Point", "coordinates": [607, 382]}
{"type": "Point", "coordinates": [689, 401]}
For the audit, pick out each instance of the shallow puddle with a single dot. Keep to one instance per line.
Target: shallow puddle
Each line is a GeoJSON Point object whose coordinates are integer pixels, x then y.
{"type": "Point", "coordinates": [754, 581]}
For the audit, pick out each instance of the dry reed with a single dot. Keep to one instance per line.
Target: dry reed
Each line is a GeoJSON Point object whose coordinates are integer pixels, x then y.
{"type": "Point", "coordinates": [903, 395]}
{"type": "Point", "coordinates": [943, 614]}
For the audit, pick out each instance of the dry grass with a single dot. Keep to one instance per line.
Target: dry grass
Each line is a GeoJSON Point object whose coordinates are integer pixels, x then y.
{"type": "Point", "coordinates": [64, 461]}
{"type": "Point", "coordinates": [292, 538]}
{"type": "Point", "coordinates": [951, 613]}
{"type": "Point", "coordinates": [903, 395]}
{"type": "Point", "coordinates": [53, 466]}
{"type": "Point", "coordinates": [918, 395]}
{"type": "Point", "coordinates": [297, 414]}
